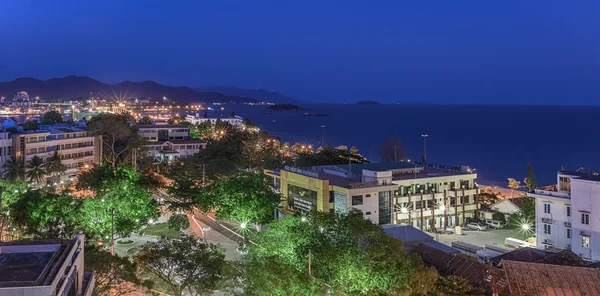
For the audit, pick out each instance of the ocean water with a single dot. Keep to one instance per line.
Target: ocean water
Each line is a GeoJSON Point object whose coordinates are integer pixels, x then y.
{"type": "Point", "coordinates": [498, 141]}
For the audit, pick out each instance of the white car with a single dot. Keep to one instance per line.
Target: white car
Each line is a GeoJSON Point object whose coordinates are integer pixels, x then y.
{"type": "Point", "coordinates": [475, 226]}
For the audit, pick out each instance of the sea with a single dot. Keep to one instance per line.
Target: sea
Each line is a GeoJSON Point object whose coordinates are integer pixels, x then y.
{"type": "Point", "coordinates": [498, 141]}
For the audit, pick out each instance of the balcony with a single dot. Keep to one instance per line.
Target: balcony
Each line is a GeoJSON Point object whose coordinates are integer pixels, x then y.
{"type": "Point", "coordinates": [567, 224]}
{"type": "Point", "coordinates": [547, 220]}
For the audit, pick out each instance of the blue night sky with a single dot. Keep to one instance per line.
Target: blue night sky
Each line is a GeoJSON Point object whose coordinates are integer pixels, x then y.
{"type": "Point", "coordinates": [496, 52]}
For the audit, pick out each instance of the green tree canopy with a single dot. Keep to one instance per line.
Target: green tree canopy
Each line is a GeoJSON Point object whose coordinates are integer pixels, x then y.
{"type": "Point", "coordinates": [52, 117]}
{"type": "Point", "coordinates": [119, 136]}
{"type": "Point", "coordinates": [31, 125]}
{"type": "Point", "coordinates": [530, 181]}
{"type": "Point", "coordinates": [179, 222]}
{"type": "Point", "coordinates": [13, 170]}
{"type": "Point", "coordinates": [349, 253]}
{"type": "Point", "coordinates": [36, 170]}
{"type": "Point", "coordinates": [185, 265]}
{"type": "Point", "coordinates": [455, 286]}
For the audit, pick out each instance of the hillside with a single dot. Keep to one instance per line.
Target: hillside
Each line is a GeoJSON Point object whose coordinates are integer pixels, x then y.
{"type": "Point", "coordinates": [81, 86]}
{"type": "Point", "coordinates": [259, 94]}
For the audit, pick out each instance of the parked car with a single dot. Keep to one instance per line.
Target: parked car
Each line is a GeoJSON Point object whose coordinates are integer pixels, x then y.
{"type": "Point", "coordinates": [476, 226]}
{"type": "Point", "coordinates": [494, 224]}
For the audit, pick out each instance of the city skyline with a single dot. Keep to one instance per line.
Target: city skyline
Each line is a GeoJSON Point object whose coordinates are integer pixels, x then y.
{"type": "Point", "coordinates": [518, 53]}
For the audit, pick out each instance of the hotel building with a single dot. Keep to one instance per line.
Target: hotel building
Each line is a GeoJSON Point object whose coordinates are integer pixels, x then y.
{"type": "Point", "coordinates": [167, 142]}
{"type": "Point", "coordinates": [386, 193]}
{"type": "Point", "coordinates": [45, 267]}
{"type": "Point", "coordinates": [75, 145]}
{"type": "Point", "coordinates": [197, 119]}
{"type": "Point", "coordinates": [569, 217]}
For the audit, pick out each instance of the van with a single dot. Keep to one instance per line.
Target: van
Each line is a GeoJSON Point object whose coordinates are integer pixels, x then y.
{"type": "Point", "coordinates": [494, 224]}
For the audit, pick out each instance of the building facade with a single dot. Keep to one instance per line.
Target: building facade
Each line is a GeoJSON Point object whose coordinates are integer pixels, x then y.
{"type": "Point", "coordinates": [197, 119]}
{"type": "Point", "coordinates": [5, 149]}
{"type": "Point", "coordinates": [167, 142]}
{"type": "Point", "coordinates": [386, 193]}
{"type": "Point", "coordinates": [47, 267]}
{"type": "Point", "coordinates": [75, 145]}
{"type": "Point", "coordinates": [569, 217]}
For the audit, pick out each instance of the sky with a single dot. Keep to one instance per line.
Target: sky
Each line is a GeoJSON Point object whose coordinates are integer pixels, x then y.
{"type": "Point", "coordinates": [448, 52]}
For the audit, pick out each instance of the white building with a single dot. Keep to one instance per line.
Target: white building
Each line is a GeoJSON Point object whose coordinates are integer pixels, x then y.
{"type": "Point", "coordinates": [197, 119]}
{"type": "Point", "coordinates": [569, 218]}
{"type": "Point", "coordinates": [46, 267]}
{"type": "Point", "coordinates": [75, 145]}
{"type": "Point", "coordinates": [5, 149]}
{"type": "Point", "coordinates": [167, 142]}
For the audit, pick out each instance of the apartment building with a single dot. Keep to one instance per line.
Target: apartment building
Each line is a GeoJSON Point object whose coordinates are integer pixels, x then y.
{"type": "Point", "coordinates": [5, 148]}
{"type": "Point", "coordinates": [197, 119]}
{"type": "Point", "coordinates": [75, 145]}
{"type": "Point", "coordinates": [386, 193]}
{"type": "Point", "coordinates": [569, 217]}
{"type": "Point", "coordinates": [167, 142]}
{"type": "Point", "coordinates": [44, 267]}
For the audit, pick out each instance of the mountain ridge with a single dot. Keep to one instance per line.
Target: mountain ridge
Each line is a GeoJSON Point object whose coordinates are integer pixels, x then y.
{"type": "Point", "coordinates": [73, 86]}
{"type": "Point", "coordinates": [259, 94]}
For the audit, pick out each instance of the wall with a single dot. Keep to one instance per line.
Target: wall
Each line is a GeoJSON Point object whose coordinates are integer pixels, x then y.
{"type": "Point", "coordinates": [585, 197]}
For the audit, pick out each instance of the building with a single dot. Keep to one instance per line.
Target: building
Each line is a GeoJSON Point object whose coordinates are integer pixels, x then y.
{"type": "Point", "coordinates": [167, 142]}
{"type": "Point", "coordinates": [75, 145]}
{"type": "Point", "coordinates": [5, 149]}
{"type": "Point", "coordinates": [507, 206]}
{"type": "Point", "coordinates": [386, 193]}
{"type": "Point", "coordinates": [46, 267]}
{"type": "Point", "coordinates": [569, 217]}
{"type": "Point", "coordinates": [197, 119]}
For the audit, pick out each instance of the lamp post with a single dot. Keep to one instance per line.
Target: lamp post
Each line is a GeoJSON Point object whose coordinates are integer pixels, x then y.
{"type": "Point", "coordinates": [424, 148]}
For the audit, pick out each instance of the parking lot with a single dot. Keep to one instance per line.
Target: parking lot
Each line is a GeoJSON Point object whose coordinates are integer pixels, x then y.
{"type": "Point", "coordinates": [479, 238]}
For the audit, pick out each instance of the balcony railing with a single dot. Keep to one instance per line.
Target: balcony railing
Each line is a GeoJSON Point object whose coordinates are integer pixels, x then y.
{"type": "Point", "coordinates": [547, 220]}
{"type": "Point", "coordinates": [567, 224]}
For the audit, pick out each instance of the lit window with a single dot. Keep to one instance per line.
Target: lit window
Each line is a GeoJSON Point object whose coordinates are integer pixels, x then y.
{"type": "Point", "coordinates": [585, 218]}
{"type": "Point", "coordinates": [585, 241]}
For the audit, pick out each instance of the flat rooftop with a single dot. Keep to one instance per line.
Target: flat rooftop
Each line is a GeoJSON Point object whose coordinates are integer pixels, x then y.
{"type": "Point", "coordinates": [57, 129]}
{"type": "Point", "coordinates": [31, 263]}
{"type": "Point", "coordinates": [589, 175]}
{"type": "Point", "coordinates": [155, 126]}
{"type": "Point", "coordinates": [378, 166]}
{"type": "Point", "coordinates": [429, 173]}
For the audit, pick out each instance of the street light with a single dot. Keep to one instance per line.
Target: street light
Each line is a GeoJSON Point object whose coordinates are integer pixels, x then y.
{"type": "Point", "coordinates": [525, 227]}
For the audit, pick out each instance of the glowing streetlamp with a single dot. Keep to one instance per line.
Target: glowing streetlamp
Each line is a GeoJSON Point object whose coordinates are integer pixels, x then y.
{"type": "Point", "coordinates": [525, 227]}
{"type": "Point", "coordinates": [403, 210]}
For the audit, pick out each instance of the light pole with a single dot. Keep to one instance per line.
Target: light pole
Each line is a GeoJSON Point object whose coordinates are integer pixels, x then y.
{"type": "Point", "coordinates": [424, 148]}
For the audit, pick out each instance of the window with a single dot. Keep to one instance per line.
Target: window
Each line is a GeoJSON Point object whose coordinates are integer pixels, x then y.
{"type": "Point", "coordinates": [585, 241]}
{"type": "Point", "coordinates": [547, 229]}
{"type": "Point", "coordinates": [568, 211]}
{"type": "Point", "coordinates": [368, 213]}
{"type": "Point", "coordinates": [331, 197]}
{"type": "Point", "coordinates": [568, 232]}
{"type": "Point", "coordinates": [547, 208]}
{"type": "Point", "coordinates": [585, 218]}
{"type": "Point", "coordinates": [357, 200]}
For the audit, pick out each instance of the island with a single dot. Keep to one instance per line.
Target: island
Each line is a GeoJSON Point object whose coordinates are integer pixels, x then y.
{"type": "Point", "coordinates": [367, 103]}
{"type": "Point", "coordinates": [284, 107]}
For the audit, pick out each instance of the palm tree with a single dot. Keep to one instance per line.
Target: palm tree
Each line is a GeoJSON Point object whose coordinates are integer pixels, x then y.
{"type": "Point", "coordinates": [56, 167]}
{"type": "Point", "coordinates": [36, 172]}
{"type": "Point", "coordinates": [12, 170]}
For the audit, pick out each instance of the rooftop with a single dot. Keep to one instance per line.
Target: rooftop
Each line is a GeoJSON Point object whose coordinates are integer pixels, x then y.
{"type": "Point", "coordinates": [429, 173]}
{"type": "Point", "coordinates": [31, 263]}
{"type": "Point", "coordinates": [406, 233]}
{"type": "Point", "coordinates": [378, 166]}
{"type": "Point", "coordinates": [583, 175]}
{"type": "Point", "coordinates": [153, 126]}
{"type": "Point", "coordinates": [522, 255]}
{"type": "Point", "coordinates": [57, 129]}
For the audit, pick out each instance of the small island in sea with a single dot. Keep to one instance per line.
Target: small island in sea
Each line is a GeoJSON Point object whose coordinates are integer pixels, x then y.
{"type": "Point", "coordinates": [367, 103]}
{"type": "Point", "coordinates": [284, 107]}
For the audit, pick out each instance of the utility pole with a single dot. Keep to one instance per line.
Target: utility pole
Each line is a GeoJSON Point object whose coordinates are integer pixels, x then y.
{"type": "Point", "coordinates": [424, 148]}
{"type": "Point", "coordinates": [112, 226]}
{"type": "Point", "coordinates": [309, 271]}
{"type": "Point", "coordinates": [203, 174]}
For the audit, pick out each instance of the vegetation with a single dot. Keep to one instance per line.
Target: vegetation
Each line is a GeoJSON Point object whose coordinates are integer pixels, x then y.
{"type": "Point", "coordinates": [328, 156]}
{"type": "Point", "coordinates": [455, 286]}
{"type": "Point", "coordinates": [499, 216]}
{"type": "Point", "coordinates": [348, 253]}
{"type": "Point", "coordinates": [31, 125]}
{"type": "Point", "coordinates": [530, 181]}
{"type": "Point", "coordinates": [178, 222]}
{"type": "Point", "coordinates": [392, 150]}
{"type": "Point", "coordinates": [13, 171]}
{"type": "Point", "coordinates": [36, 170]}
{"type": "Point", "coordinates": [52, 117]}
{"type": "Point", "coordinates": [119, 137]}
{"type": "Point", "coordinates": [55, 168]}
{"type": "Point", "coordinates": [160, 230]}
{"type": "Point", "coordinates": [185, 265]}
{"type": "Point", "coordinates": [513, 184]}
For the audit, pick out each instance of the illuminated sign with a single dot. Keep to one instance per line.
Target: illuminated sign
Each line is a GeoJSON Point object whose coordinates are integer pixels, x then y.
{"type": "Point", "coordinates": [339, 204]}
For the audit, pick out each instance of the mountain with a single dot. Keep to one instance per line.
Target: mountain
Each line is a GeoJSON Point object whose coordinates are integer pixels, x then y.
{"type": "Point", "coordinates": [259, 94]}
{"type": "Point", "coordinates": [81, 86]}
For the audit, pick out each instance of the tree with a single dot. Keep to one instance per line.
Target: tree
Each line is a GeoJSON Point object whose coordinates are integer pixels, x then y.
{"type": "Point", "coordinates": [499, 216]}
{"type": "Point", "coordinates": [36, 170]}
{"type": "Point", "coordinates": [179, 222]}
{"type": "Point", "coordinates": [13, 170]}
{"type": "Point", "coordinates": [55, 167]}
{"type": "Point", "coordinates": [52, 117]}
{"type": "Point", "coordinates": [115, 275]}
{"type": "Point", "coordinates": [11, 193]}
{"type": "Point", "coordinates": [118, 136]}
{"type": "Point", "coordinates": [245, 197]}
{"type": "Point", "coordinates": [530, 181]}
{"type": "Point", "coordinates": [351, 254]}
{"type": "Point", "coordinates": [392, 150]}
{"type": "Point", "coordinates": [488, 199]}
{"type": "Point", "coordinates": [145, 120]}
{"type": "Point", "coordinates": [30, 125]}
{"type": "Point", "coordinates": [513, 184]}
{"type": "Point", "coordinates": [185, 265]}
{"type": "Point", "coordinates": [454, 285]}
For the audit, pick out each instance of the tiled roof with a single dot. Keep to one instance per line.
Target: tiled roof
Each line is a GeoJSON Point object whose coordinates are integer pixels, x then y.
{"type": "Point", "coordinates": [531, 279]}
{"type": "Point", "coordinates": [522, 254]}
{"type": "Point", "coordinates": [564, 258]}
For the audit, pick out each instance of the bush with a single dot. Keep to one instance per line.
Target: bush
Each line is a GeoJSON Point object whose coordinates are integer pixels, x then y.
{"type": "Point", "coordinates": [499, 216]}
{"type": "Point", "coordinates": [179, 222]}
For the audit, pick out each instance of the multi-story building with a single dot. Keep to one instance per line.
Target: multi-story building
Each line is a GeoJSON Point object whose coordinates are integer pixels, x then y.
{"type": "Point", "coordinates": [569, 217]}
{"type": "Point", "coordinates": [167, 142]}
{"type": "Point", "coordinates": [5, 149]}
{"type": "Point", "coordinates": [197, 119]}
{"type": "Point", "coordinates": [386, 193]}
{"type": "Point", "coordinates": [46, 267]}
{"type": "Point", "coordinates": [75, 145]}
